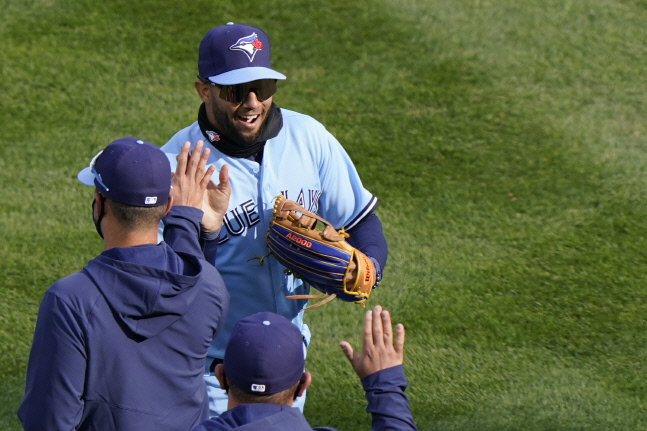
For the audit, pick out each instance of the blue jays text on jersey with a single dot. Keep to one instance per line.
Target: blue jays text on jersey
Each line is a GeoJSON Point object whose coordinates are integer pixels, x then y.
{"type": "Point", "coordinates": [244, 216]}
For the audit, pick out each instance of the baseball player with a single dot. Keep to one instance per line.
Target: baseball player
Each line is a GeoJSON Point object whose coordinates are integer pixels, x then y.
{"type": "Point", "coordinates": [121, 344]}
{"type": "Point", "coordinates": [270, 151]}
{"type": "Point", "coordinates": [263, 374]}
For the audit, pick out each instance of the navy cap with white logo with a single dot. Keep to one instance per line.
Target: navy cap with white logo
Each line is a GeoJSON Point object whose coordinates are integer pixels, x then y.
{"type": "Point", "coordinates": [234, 54]}
{"type": "Point", "coordinates": [264, 354]}
{"type": "Point", "coordinates": [130, 171]}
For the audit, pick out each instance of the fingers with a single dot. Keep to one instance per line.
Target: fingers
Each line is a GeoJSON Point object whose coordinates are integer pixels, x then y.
{"type": "Point", "coordinates": [379, 349]}
{"type": "Point", "coordinates": [191, 164]}
{"type": "Point", "coordinates": [351, 273]}
{"type": "Point", "coordinates": [182, 158]}
{"type": "Point", "coordinates": [386, 328]}
{"type": "Point", "coordinates": [202, 162]}
{"type": "Point", "coordinates": [223, 179]}
{"type": "Point", "coordinates": [206, 178]}
{"type": "Point", "coordinates": [399, 340]}
{"type": "Point", "coordinates": [193, 160]}
{"type": "Point", "coordinates": [197, 162]}
{"type": "Point", "coordinates": [348, 351]}
{"type": "Point", "coordinates": [367, 333]}
{"type": "Point", "coordinates": [378, 333]}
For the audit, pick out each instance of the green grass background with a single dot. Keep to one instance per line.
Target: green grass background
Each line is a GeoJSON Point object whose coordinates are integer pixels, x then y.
{"type": "Point", "coordinates": [506, 140]}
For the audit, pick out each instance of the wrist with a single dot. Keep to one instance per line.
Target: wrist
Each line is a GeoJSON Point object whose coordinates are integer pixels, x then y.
{"type": "Point", "coordinates": [209, 235]}
{"type": "Point", "coordinates": [211, 223]}
{"type": "Point", "coordinates": [378, 271]}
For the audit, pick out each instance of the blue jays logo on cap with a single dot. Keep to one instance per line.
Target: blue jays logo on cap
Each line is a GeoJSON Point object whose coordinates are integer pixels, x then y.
{"type": "Point", "coordinates": [213, 136]}
{"type": "Point", "coordinates": [220, 59]}
{"type": "Point", "coordinates": [250, 45]}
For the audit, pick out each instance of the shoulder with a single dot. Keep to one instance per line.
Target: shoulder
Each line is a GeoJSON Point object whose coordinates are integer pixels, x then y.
{"type": "Point", "coordinates": [306, 133]}
{"type": "Point", "coordinates": [296, 120]}
{"type": "Point", "coordinates": [74, 286]}
{"type": "Point", "coordinates": [187, 134]}
{"type": "Point", "coordinates": [76, 292]}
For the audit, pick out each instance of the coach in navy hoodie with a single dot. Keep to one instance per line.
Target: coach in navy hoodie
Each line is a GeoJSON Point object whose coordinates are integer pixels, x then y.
{"type": "Point", "coordinates": [121, 345]}
{"type": "Point", "coordinates": [263, 374]}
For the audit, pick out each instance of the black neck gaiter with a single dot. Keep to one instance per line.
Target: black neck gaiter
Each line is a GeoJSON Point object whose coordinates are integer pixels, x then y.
{"type": "Point", "coordinates": [224, 144]}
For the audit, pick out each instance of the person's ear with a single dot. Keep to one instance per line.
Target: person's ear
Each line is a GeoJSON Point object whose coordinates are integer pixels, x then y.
{"type": "Point", "coordinates": [98, 205]}
{"type": "Point", "coordinates": [169, 205]}
{"type": "Point", "coordinates": [219, 372]}
{"type": "Point", "coordinates": [203, 90]}
{"type": "Point", "coordinates": [304, 382]}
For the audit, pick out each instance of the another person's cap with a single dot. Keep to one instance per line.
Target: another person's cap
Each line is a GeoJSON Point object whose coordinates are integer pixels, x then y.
{"type": "Point", "coordinates": [264, 354]}
{"type": "Point", "coordinates": [234, 54]}
{"type": "Point", "coordinates": [130, 171]}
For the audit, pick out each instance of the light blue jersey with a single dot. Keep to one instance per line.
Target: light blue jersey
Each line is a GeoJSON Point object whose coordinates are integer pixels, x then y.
{"type": "Point", "coordinates": [305, 163]}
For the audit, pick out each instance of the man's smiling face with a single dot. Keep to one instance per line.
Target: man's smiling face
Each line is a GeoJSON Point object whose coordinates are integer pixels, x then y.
{"type": "Point", "coordinates": [240, 123]}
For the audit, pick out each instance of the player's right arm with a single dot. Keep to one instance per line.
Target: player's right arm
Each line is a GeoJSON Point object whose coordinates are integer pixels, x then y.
{"type": "Point", "coordinates": [379, 366]}
{"type": "Point", "coordinates": [56, 369]}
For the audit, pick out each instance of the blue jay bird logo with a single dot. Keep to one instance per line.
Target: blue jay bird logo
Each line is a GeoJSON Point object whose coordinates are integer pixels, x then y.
{"type": "Point", "coordinates": [213, 136]}
{"type": "Point", "coordinates": [250, 45]}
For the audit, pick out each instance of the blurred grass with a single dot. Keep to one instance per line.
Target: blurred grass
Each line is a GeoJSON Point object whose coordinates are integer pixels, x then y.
{"type": "Point", "coordinates": [506, 142]}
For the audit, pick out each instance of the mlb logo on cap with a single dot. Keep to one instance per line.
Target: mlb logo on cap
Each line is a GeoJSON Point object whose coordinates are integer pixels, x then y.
{"type": "Point", "coordinates": [130, 171]}
{"type": "Point", "coordinates": [258, 388]}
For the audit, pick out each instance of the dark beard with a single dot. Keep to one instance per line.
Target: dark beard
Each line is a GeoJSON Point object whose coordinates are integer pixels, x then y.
{"type": "Point", "coordinates": [231, 142]}
{"type": "Point", "coordinates": [232, 133]}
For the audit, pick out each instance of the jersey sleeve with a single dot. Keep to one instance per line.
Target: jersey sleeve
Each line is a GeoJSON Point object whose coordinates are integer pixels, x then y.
{"type": "Point", "coordinates": [191, 133]}
{"type": "Point", "coordinates": [344, 201]}
{"type": "Point", "coordinates": [56, 369]}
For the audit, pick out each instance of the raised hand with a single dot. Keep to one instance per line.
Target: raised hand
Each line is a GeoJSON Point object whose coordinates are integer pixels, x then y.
{"type": "Point", "coordinates": [190, 179]}
{"type": "Point", "coordinates": [216, 201]}
{"type": "Point", "coordinates": [379, 351]}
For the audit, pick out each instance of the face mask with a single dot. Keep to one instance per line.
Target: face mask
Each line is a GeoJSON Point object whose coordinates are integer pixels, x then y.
{"type": "Point", "coordinates": [97, 222]}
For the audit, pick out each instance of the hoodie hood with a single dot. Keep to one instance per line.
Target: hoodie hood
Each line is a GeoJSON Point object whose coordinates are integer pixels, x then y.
{"type": "Point", "coordinates": [147, 287]}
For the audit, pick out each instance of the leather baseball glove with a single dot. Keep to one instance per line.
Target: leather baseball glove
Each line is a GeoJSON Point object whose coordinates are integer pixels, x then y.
{"type": "Point", "coordinates": [313, 250]}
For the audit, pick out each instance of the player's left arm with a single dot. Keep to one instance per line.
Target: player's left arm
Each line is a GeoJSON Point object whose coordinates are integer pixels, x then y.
{"type": "Point", "coordinates": [345, 202]}
{"type": "Point", "coordinates": [367, 236]}
{"type": "Point", "coordinates": [56, 369]}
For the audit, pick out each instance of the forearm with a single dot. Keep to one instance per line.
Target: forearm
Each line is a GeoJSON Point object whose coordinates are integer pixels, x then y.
{"type": "Point", "coordinates": [367, 236]}
{"type": "Point", "coordinates": [182, 229]}
{"type": "Point", "coordinates": [387, 402]}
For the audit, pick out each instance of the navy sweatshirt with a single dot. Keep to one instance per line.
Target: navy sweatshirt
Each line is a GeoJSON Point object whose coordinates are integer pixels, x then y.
{"type": "Point", "coordinates": [121, 344]}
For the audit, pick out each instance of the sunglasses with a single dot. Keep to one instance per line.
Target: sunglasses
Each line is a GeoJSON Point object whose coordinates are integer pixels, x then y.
{"type": "Point", "coordinates": [97, 175]}
{"type": "Point", "coordinates": [237, 93]}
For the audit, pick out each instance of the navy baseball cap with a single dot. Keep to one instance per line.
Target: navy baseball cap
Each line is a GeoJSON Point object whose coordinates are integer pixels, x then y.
{"type": "Point", "coordinates": [234, 54]}
{"type": "Point", "coordinates": [264, 354]}
{"type": "Point", "coordinates": [130, 171]}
